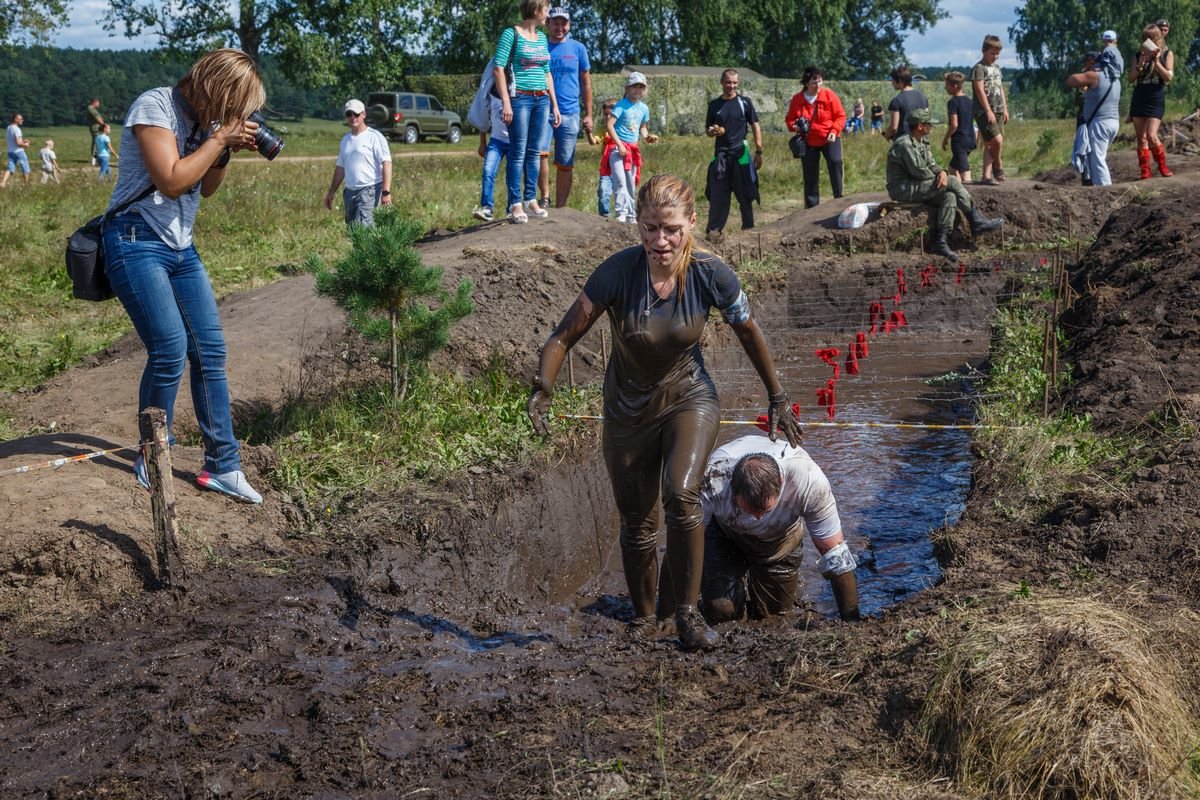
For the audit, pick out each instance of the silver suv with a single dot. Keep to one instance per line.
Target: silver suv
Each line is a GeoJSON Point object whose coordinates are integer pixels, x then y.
{"type": "Point", "coordinates": [411, 117]}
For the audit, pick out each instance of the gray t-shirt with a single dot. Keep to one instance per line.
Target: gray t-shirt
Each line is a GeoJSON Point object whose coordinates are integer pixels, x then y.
{"type": "Point", "coordinates": [170, 219]}
{"type": "Point", "coordinates": [1102, 102]}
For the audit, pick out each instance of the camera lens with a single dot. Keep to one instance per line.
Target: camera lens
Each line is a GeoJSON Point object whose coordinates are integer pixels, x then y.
{"type": "Point", "coordinates": [266, 140]}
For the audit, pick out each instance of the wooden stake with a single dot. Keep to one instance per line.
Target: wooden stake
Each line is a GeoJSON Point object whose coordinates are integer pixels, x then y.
{"type": "Point", "coordinates": [603, 350]}
{"type": "Point", "coordinates": [1046, 369]}
{"type": "Point", "coordinates": [152, 426]}
{"type": "Point", "coordinates": [760, 255]}
{"type": "Point", "coordinates": [571, 367]}
{"type": "Point", "coordinates": [741, 260]}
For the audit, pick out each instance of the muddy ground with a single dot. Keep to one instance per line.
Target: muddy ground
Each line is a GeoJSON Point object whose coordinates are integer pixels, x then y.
{"type": "Point", "coordinates": [453, 640]}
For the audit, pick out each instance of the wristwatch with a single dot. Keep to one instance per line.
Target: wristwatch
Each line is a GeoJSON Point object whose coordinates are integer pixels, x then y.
{"type": "Point", "coordinates": [387, 192]}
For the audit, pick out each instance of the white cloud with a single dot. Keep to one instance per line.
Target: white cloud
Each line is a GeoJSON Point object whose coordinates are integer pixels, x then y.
{"type": "Point", "coordinates": [958, 38]}
{"type": "Point", "coordinates": [84, 30]}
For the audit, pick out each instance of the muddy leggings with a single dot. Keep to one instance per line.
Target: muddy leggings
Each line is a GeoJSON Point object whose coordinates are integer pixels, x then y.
{"type": "Point", "coordinates": [671, 452]}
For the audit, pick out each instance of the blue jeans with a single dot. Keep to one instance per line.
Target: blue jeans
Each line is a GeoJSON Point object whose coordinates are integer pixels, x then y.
{"type": "Point", "coordinates": [104, 169]}
{"type": "Point", "coordinates": [496, 150]}
{"type": "Point", "coordinates": [526, 135]}
{"type": "Point", "coordinates": [604, 195]}
{"type": "Point", "coordinates": [168, 297]}
{"type": "Point", "coordinates": [564, 138]}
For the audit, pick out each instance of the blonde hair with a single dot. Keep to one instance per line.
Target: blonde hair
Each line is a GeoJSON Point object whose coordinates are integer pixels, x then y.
{"type": "Point", "coordinates": [670, 191]}
{"type": "Point", "coordinates": [531, 8]}
{"type": "Point", "coordinates": [224, 86]}
{"type": "Point", "coordinates": [1154, 34]}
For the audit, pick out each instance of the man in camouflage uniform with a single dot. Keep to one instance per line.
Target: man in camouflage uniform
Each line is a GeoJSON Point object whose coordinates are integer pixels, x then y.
{"type": "Point", "coordinates": [914, 177]}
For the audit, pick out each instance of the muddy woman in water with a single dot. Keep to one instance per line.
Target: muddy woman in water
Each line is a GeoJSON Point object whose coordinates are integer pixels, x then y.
{"type": "Point", "coordinates": [660, 406]}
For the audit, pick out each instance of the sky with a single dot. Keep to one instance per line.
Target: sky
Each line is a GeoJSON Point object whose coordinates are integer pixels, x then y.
{"type": "Point", "coordinates": [955, 40]}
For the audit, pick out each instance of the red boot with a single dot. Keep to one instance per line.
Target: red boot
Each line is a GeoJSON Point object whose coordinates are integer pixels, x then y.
{"type": "Point", "coordinates": [1144, 163]}
{"type": "Point", "coordinates": [1160, 155]}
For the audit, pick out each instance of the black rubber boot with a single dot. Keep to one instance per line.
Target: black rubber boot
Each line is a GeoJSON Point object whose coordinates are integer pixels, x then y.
{"type": "Point", "coordinates": [981, 224]}
{"type": "Point", "coordinates": [939, 247]}
{"type": "Point", "coordinates": [694, 633]}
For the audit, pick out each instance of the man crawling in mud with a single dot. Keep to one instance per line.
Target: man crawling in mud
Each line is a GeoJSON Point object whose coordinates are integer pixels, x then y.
{"type": "Point", "coordinates": [758, 498]}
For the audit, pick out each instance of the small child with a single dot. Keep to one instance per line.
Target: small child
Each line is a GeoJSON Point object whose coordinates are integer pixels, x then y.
{"type": "Point", "coordinates": [626, 123]}
{"type": "Point", "coordinates": [104, 152]}
{"type": "Point", "coordinates": [604, 190]}
{"type": "Point", "coordinates": [50, 171]}
{"type": "Point", "coordinates": [960, 132]}
{"type": "Point", "coordinates": [493, 152]}
{"type": "Point", "coordinates": [991, 108]}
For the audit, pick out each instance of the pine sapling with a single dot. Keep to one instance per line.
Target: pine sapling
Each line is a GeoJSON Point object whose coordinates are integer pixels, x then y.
{"type": "Point", "coordinates": [390, 295]}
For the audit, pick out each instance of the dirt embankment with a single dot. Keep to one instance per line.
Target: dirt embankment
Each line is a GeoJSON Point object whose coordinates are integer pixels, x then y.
{"type": "Point", "coordinates": [431, 646]}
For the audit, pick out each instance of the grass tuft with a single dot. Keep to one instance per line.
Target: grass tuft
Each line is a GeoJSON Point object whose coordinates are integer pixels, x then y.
{"type": "Point", "coordinates": [1066, 698]}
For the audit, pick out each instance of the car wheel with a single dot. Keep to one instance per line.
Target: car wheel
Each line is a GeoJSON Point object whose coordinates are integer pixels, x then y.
{"type": "Point", "coordinates": [455, 135]}
{"type": "Point", "coordinates": [378, 116]}
{"type": "Point", "coordinates": [411, 135]}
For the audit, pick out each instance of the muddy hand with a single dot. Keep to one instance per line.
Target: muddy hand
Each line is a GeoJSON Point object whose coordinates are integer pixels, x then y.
{"type": "Point", "coordinates": [538, 410]}
{"type": "Point", "coordinates": [780, 418]}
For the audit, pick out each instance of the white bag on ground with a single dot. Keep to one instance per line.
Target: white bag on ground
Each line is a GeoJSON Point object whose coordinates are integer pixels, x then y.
{"type": "Point", "coordinates": [856, 216]}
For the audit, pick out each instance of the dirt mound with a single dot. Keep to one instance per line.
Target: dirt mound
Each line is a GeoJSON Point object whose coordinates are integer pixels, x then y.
{"type": "Point", "coordinates": [1034, 211]}
{"type": "Point", "coordinates": [1135, 331]}
{"type": "Point", "coordinates": [1123, 165]}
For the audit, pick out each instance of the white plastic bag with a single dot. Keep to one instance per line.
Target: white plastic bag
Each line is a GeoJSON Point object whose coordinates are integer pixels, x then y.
{"type": "Point", "coordinates": [856, 216]}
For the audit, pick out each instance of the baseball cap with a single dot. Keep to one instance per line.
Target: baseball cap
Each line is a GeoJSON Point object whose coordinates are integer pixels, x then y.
{"type": "Point", "coordinates": [1108, 36]}
{"type": "Point", "coordinates": [919, 115]}
{"type": "Point", "coordinates": [560, 11]}
{"type": "Point", "coordinates": [635, 78]}
{"type": "Point", "coordinates": [355, 106]}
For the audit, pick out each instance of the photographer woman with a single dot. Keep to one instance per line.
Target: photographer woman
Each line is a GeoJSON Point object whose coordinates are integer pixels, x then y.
{"type": "Point", "coordinates": [660, 406]}
{"type": "Point", "coordinates": [175, 148]}
{"type": "Point", "coordinates": [1152, 69]}
{"type": "Point", "coordinates": [820, 111]}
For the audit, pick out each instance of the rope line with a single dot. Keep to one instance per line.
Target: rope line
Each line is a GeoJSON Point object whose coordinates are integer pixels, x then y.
{"type": "Point", "coordinates": [931, 426]}
{"type": "Point", "coordinates": [59, 462]}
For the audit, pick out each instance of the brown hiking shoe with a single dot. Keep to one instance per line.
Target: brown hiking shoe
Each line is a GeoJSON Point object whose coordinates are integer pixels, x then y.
{"type": "Point", "coordinates": [694, 633]}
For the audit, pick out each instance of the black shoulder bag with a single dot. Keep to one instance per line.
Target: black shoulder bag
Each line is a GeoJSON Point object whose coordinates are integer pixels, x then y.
{"type": "Point", "coordinates": [85, 255]}
{"type": "Point", "coordinates": [799, 142]}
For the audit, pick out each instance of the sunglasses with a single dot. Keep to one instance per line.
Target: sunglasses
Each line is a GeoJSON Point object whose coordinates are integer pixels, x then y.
{"type": "Point", "coordinates": [353, 113]}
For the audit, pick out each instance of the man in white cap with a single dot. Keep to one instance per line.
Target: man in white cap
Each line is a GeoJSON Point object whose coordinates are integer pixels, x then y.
{"type": "Point", "coordinates": [572, 71]}
{"type": "Point", "coordinates": [1111, 60]}
{"type": "Point", "coordinates": [364, 162]}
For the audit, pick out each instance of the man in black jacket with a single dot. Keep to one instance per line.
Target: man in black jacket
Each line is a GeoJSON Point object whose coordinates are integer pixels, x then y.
{"type": "Point", "coordinates": [730, 119]}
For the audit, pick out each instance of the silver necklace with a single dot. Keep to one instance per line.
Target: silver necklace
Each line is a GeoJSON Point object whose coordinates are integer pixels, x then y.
{"type": "Point", "coordinates": [653, 298]}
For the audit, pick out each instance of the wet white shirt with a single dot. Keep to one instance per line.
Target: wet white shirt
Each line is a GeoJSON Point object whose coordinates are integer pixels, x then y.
{"type": "Point", "coordinates": [805, 499]}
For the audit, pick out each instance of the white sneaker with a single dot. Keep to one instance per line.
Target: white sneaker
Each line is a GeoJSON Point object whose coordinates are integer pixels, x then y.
{"type": "Point", "coordinates": [233, 484]}
{"type": "Point", "coordinates": [482, 212]}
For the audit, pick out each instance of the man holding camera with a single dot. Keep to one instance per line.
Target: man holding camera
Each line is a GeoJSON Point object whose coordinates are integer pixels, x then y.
{"type": "Point", "coordinates": [730, 119]}
{"type": "Point", "coordinates": [914, 177]}
{"type": "Point", "coordinates": [364, 162]}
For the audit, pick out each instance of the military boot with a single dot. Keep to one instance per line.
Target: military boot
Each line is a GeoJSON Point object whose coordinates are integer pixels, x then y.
{"type": "Point", "coordinates": [981, 224]}
{"type": "Point", "coordinates": [939, 247]}
{"type": "Point", "coordinates": [694, 633]}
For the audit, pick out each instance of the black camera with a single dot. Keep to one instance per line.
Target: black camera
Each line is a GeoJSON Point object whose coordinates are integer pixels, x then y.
{"type": "Point", "coordinates": [802, 125]}
{"type": "Point", "coordinates": [267, 141]}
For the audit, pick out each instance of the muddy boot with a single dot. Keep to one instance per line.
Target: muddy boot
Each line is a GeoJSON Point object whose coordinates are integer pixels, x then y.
{"type": "Point", "coordinates": [1143, 164]}
{"type": "Point", "coordinates": [981, 224]}
{"type": "Point", "coordinates": [694, 633]}
{"type": "Point", "coordinates": [1160, 156]}
{"type": "Point", "coordinates": [642, 629]}
{"type": "Point", "coordinates": [939, 247]}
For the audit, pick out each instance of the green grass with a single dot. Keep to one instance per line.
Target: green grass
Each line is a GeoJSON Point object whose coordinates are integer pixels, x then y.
{"type": "Point", "coordinates": [361, 437]}
{"type": "Point", "coordinates": [1038, 458]}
